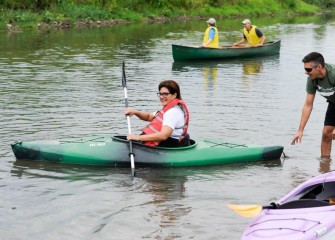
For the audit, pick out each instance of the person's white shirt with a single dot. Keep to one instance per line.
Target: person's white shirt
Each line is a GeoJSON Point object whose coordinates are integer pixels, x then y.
{"type": "Point", "coordinates": [175, 119]}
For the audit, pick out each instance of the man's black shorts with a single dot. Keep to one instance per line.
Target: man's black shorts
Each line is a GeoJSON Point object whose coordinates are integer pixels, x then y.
{"type": "Point", "coordinates": [330, 115]}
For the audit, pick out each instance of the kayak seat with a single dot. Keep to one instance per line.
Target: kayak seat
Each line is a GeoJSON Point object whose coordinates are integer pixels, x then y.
{"type": "Point", "coordinates": [186, 141]}
{"type": "Point", "coordinates": [328, 190]}
{"type": "Point", "coordinates": [303, 203]}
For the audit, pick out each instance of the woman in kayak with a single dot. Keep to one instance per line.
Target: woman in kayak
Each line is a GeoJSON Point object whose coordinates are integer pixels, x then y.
{"type": "Point", "coordinates": [167, 127]}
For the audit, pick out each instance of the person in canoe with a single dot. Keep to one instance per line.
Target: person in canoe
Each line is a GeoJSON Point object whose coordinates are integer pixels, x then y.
{"type": "Point", "coordinates": [167, 127]}
{"type": "Point", "coordinates": [321, 78]}
{"type": "Point", "coordinates": [251, 34]}
{"type": "Point", "coordinates": [211, 37]}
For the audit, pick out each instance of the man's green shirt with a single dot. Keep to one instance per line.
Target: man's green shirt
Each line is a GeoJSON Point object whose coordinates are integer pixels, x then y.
{"type": "Point", "coordinates": [325, 86]}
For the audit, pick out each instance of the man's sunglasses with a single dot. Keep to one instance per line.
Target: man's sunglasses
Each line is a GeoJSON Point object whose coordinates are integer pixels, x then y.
{"type": "Point", "coordinates": [310, 69]}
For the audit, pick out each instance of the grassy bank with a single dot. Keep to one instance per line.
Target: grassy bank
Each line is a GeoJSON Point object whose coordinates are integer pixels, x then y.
{"type": "Point", "coordinates": [64, 13]}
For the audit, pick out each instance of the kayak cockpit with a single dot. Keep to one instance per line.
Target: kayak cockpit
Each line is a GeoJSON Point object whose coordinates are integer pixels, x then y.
{"type": "Point", "coordinates": [317, 195]}
{"type": "Point", "coordinates": [124, 139]}
{"type": "Point", "coordinates": [304, 203]}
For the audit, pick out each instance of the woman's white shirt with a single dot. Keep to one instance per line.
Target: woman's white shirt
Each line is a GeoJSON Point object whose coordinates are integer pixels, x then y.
{"type": "Point", "coordinates": [175, 119]}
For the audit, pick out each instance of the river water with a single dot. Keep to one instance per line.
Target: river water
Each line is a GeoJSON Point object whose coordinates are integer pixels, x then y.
{"type": "Point", "coordinates": [68, 83]}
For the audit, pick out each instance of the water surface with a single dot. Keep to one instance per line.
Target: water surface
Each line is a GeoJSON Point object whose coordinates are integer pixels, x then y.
{"type": "Point", "coordinates": [68, 83]}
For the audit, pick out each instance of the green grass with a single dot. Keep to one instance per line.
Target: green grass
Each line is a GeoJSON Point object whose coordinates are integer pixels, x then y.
{"type": "Point", "coordinates": [133, 11]}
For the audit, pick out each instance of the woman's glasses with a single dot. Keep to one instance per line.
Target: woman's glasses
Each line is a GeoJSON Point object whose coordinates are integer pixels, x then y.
{"type": "Point", "coordinates": [163, 94]}
{"type": "Point", "coordinates": [310, 69]}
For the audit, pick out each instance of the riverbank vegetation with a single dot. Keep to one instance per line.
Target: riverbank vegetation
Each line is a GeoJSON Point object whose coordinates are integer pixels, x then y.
{"type": "Point", "coordinates": [27, 14]}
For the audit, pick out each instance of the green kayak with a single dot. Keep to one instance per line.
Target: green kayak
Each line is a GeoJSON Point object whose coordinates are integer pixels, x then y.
{"type": "Point", "coordinates": [187, 53]}
{"type": "Point", "coordinates": [114, 151]}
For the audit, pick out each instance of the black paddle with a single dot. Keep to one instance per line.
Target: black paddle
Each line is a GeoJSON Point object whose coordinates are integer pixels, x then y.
{"type": "Point", "coordinates": [131, 154]}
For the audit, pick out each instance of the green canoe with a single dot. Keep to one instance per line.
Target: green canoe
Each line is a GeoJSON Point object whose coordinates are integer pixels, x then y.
{"type": "Point", "coordinates": [183, 53]}
{"type": "Point", "coordinates": [114, 151]}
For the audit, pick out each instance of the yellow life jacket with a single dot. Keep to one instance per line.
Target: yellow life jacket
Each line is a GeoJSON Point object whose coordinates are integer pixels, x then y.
{"type": "Point", "coordinates": [251, 36]}
{"type": "Point", "coordinates": [215, 42]}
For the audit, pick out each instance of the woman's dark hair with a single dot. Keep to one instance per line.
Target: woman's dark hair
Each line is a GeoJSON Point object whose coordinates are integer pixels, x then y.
{"type": "Point", "coordinates": [314, 57]}
{"type": "Point", "coordinates": [172, 86]}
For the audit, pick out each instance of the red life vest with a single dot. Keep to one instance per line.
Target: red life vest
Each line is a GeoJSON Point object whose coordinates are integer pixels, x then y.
{"type": "Point", "coordinates": [157, 122]}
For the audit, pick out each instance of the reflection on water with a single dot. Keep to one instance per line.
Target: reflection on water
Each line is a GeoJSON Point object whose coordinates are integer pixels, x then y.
{"type": "Point", "coordinates": [210, 76]}
{"type": "Point", "coordinates": [98, 202]}
{"type": "Point", "coordinates": [167, 188]}
{"type": "Point", "coordinates": [252, 68]}
{"type": "Point", "coordinates": [208, 69]}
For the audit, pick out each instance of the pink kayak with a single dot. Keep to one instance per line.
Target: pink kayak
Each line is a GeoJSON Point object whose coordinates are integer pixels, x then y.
{"type": "Point", "coordinates": [306, 213]}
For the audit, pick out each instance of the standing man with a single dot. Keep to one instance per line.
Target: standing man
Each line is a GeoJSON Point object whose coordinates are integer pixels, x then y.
{"type": "Point", "coordinates": [251, 34]}
{"type": "Point", "coordinates": [211, 37]}
{"type": "Point", "coordinates": [321, 78]}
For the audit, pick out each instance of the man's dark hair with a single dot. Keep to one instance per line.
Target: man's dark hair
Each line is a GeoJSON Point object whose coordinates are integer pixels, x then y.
{"type": "Point", "coordinates": [314, 57]}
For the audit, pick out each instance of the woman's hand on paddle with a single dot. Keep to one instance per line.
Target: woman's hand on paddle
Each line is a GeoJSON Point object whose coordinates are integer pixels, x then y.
{"type": "Point", "coordinates": [129, 112]}
{"type": "Point", "coordinates": [133, 137]}
{"type": "Point", "coordinates": [297, 138]}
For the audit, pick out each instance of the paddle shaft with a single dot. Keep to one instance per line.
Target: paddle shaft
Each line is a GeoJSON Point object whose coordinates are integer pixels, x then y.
{"type": "Point", "coordinates": [124, 85]}
{"type": "Point", "coordinates": [132, 161]}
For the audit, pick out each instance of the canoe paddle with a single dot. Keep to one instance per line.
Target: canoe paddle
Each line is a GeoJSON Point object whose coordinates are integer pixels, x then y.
{"type": "Point", "coordinates": [131, 154]}
{"type": "Point", "coordinates": [249, 211]}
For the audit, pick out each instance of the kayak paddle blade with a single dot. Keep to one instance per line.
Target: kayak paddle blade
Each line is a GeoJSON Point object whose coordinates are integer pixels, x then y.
{"type": "Point", "coordinates": [124, 81]}
{"type": "Point", "coordinates": [247, 211]}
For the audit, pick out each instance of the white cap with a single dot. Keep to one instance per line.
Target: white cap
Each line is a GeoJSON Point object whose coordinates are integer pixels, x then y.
{"type": "Point", "coordinates": [245, 21]}
{"type": "Point", "coordinates": [211, 21]}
